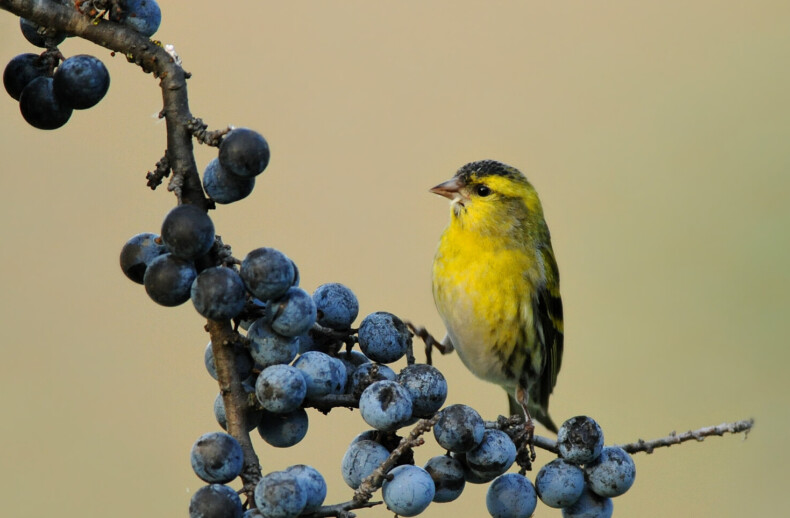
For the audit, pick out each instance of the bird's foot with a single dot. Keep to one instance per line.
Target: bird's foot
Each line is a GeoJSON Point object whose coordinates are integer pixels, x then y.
{"type": "Point", "coordinates": [430, 342]}
{"type": "Point", "coordinates": [525, 449]}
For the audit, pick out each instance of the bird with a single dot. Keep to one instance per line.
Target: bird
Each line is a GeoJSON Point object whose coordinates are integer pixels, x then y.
{"type": "Point", "coordinates": [496, 286]}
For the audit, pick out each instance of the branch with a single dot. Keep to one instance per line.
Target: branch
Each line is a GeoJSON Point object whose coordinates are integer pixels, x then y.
{"type": "Point", "coordinates": [326, 403]}
{"type": "Point", "coordinates": [151, 58]}
{"type": "Point", "coordinates": [223, 341]}
{"type": "Point", "coordinates": [340, 510]}
{"type": "Point", "coordinates": [512, 426]}
{"type": "Point", "coordinates": [698, 435]}
{"type": "Point", "coordinates": [369, 486]}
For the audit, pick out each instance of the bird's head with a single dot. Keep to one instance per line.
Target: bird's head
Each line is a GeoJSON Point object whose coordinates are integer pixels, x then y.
{"type": "Point", "coordinates": [492, 198]}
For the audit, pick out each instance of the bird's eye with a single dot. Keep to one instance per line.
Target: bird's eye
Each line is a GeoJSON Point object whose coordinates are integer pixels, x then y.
{"type": "Point", "coordinates": [482, 190]}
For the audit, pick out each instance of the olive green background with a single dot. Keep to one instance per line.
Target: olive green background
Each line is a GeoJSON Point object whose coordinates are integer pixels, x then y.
{"type": "Point", "coordinates": [655, 132]}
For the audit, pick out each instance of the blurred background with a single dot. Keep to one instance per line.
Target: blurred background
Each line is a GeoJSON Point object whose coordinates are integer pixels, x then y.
{"type": "Point", "coordinates": [655, 133]}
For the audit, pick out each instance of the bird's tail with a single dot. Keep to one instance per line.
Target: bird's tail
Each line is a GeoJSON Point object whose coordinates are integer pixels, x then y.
{"type": "Point", "coordinates": [541, 415]}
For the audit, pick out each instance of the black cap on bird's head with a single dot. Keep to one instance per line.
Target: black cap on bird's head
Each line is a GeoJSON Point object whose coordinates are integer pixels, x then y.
{"type": "Point", "coordinates": [481, 169]}
{"type": "Point", "coordinates": [476, 172]}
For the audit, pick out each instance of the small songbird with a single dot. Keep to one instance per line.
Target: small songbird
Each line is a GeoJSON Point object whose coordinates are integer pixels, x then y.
{"type": "Point", "coordinates": [497, 287]}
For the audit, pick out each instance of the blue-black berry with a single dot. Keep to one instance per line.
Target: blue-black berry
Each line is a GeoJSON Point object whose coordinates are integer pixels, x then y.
{"type": "Point", "coordinates": [168, 280]}
{"type": "Point", "coordinates": [138, 253]}
{"type": "Point", "coordinates": [267, 273]}
{"type": "Point", "coordinates": [244, 152]}
{"type": "Point", "coordinates": [217, 458]}
{"type": "Point", "coordinates": [224, 187]}
{"type": "Point", "coordinates": [383, 337]}
{"type": "Point", "coordinates": [580, 440]}
{"type": "Point", "coordinates": [40, 107]}
{"type": "Point", "coordinates": [188, 232]}
{"type": "Point", "coordinates": [215, 501]}
{"type": "Point", "coordinates": [81, 81]}
{"type": "Point", "coordinates": [20, 71]}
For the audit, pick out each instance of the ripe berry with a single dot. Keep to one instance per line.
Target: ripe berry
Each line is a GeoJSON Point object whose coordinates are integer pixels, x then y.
{"type": "Point", "coordinates": [40, 107]}
{"type": "Point", "coordinates": [30, 30]}
{"type": "Point", "coordinates": [144, 16]}
{"type": "Point", "coordinates": [280, 495]}
{"type": "Point", "coordinates": [20, 71]}
{"type": "Point", "coordinates": [559, 483]}
{"type": "Point", "coordinates": [408, 490]}
{"type": "Point", "coordinates": [511, 496]}
{"type": "Point", "coordinates": [168, 280]}
{"type": "Point", "coordinates": [312, 482]}
{"type": "Point", "coordinates": [218, 293]}
{"type": "Point", "coordinates": [224, 187]}
{"type": "Point", "coordinates": [267, 273]}
{"type": "Point", "coordinates": [337, 306]}
{"type": "Point", "coordinates": [215, 501]}
{"type": "Point", "coordinates": [81, 81]}
{"type": "Point", "coordinates": [217, 458]}
{"type": "Point", "coordinates": [385, 405]}
{"type": "Point", "coordinates": [244, 152]}
{"type": "Point", "coordinates": [188, 232]}
{"type": "Point", "coordinates": [283, 430]}
{"type": "Point", "coordinates": [459, 428]}
{"type": "Point", "coordinates": [138, 253]}
{"type": "Point", "coordinates": [383, 337]}
{"type": "Point", "coordinates": [360, 460]}
{"type": "Point", "coordinates": [612, 473]}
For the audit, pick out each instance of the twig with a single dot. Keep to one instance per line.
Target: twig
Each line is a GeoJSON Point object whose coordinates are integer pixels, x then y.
{"type": "Point", "coordinates": [199, 129]}
{"type": "Point", "coordinates": [161, 172]}
{"type": "Point", "coordinates": [326, 403]}
{"type": "Point", "coordinates": [511, 426]}
{"type": "Point", "coordinates": [698, 435]}
{"type": "Point", "coordinates": [375, 479]}
{"type": "Point", "coordinates": [340, 510]}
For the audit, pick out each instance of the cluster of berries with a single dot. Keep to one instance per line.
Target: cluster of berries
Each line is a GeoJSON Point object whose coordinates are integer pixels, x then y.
{"type": "Point", "coordinates": [48, 91]}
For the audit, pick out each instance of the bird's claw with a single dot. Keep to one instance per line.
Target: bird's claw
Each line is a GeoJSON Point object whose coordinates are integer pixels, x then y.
{"type": "Point", "coordinates": [430, 342]}
{"type": "Point", "coordinates": [525, 448]}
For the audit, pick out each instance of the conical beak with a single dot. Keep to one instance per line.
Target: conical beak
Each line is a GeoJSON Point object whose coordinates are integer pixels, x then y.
{"type": "Point", "coordinates": [450, 189]}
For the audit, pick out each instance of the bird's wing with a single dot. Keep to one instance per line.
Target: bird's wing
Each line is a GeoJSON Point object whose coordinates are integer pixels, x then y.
{"type": "Point", "coordinates": [547, 308]}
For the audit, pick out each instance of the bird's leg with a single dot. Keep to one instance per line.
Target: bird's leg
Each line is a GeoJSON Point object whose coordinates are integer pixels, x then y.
{"type": "Point", "coordinates": [444, 347]}
{"type": "Point", "coordinates": [522, 396]}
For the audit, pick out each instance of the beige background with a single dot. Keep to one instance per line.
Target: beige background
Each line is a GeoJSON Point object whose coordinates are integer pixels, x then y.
{"type": "Point", "coordinates": [655, 132]}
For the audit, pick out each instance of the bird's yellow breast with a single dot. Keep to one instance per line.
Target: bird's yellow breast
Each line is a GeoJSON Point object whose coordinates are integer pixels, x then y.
{"type": "Point", "coordinates": [482, 286]}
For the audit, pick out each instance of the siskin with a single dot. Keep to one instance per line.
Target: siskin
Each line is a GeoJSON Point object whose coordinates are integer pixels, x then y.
{"type": "Point", "coordinates": [497, 287]}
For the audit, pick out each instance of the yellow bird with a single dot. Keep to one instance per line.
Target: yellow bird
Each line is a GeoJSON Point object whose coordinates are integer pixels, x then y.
{"type": "Point", "coordinates": [497, 287]}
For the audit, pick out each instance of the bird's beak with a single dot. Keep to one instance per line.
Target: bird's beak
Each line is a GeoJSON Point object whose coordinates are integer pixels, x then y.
{"type": "Point", "coordinates": [450, 189]}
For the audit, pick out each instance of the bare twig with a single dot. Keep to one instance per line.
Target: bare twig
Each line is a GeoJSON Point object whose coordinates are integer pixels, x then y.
{"type": "Point", "coordinates": [161, 172]}
{"type": "Point", "coordinates": [511, 426]}
{"type": "Point", "coordinates": [373, 482]}
{"type": "Point", "coordinates": [340, 510]}
{"type": "Point", "coordinates": [697, 435]}
{"type": "Point", "coordinates": [200, 131]}
{"type": "Point", "coordinates": [326, 403]}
